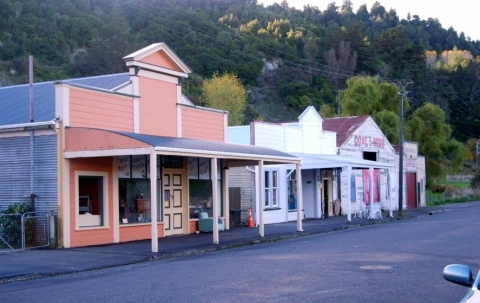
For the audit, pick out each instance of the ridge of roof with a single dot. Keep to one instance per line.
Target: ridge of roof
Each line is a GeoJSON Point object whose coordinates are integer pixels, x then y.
{"type": "Point", "coordinates": [344, 126]}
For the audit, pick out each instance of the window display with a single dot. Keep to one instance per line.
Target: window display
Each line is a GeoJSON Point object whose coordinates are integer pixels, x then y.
{"type": "Point", "coordinates": [134, 190]}
{"type": "Point", "coordinates": [90, 201]}
{"type": "Point", "coordinates": [200, 186]}
{"type": "Point", "coordinates": [134, 201]}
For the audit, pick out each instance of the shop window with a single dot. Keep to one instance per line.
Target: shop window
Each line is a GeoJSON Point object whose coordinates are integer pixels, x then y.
{"type": "Point", "coordinates": [271, 189]}
{"type": "Point", "coordinates": [200, 186]}
{"type": "Point", "coordinates": [200, 197]}
{"type": "Point", "coordinates": [91, 200]}
{"type": "Point", "coordinates": [135, 201]}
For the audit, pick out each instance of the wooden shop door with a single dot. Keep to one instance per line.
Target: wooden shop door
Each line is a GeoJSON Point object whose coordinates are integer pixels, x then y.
{"type": "Point", "coordinates": [174, 202]}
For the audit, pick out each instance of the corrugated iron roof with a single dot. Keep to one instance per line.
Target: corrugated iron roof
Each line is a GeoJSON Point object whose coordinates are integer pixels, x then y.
{"type": "Point", "coordinates": [15, 100]}
{"type": "Point", "coordinates": [207, 147]}
{"type": "Point", "coordinates": [343, 126]}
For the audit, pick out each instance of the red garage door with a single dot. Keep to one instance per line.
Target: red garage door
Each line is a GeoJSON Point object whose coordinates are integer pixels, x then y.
{"type": "Point", "coordinates": [411, 190]}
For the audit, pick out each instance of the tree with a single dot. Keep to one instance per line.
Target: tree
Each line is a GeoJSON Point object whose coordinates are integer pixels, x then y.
{"type": "Point", "coordinates": [341, 68]}
{"type": "Point", "coordinates": [443, 155]}
{"type": "Point", "coordinates": [389, 123]}
{"type": "Point", "coordinates": [464, 105]}
{"type": "Point", "coordinates": [369, 96]}
{"type": "Point", "coordinates": [471, 150]}
{"type": "Point", "coordinates": [403, 58]}
{"type": "Point", "coordinates": [226, 92]}
{"type": "Point", "coordinates": [327, 111]}
{"type": "Point", "coordinates": [310, 49]}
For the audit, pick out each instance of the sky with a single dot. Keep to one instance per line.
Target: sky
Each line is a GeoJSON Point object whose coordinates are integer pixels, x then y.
{"type": "Point", "coordinates": [462, 15]}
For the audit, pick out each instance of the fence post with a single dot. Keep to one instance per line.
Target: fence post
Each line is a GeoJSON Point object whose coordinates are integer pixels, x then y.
{"type": "Point", "coordinates": [23, 231]}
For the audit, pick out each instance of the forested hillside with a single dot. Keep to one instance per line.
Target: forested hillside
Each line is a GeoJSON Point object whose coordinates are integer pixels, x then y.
{"type": "Point", "coordinates": [286, 58]}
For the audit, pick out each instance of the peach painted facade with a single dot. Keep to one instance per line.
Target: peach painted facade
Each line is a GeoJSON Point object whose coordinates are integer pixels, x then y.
{"type": "Point", "coordinates": [202, 124]}
{"type": "Point", "coordinates": [193, 226]}
{"type": "Point", "coordinates": [89, 108]}
{"type": "Point", "coordinates": [139, 232]}
{"type": "Point", "coordinates": [158, 107]}
{"type": "Point", "coordinates": [149, 104]}
{"type": "Point", "coordinates": [160, 59]}
{"type": "Point", "coordinates": [91, 236]}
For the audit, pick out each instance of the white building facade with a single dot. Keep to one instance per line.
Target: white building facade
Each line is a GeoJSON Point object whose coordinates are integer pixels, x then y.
{"type": "Point", "coordinates": [343, 161]}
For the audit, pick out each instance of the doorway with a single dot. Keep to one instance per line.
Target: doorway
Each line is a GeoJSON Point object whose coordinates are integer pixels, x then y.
{"type": "Point", "coordinates": [327, 207]}
{"type": "Point", "coordinates": [173, 202]}
{"type": "Point", "coordinates": [411, 190]}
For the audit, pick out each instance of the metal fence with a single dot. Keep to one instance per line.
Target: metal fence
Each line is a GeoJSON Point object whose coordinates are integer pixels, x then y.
{"type": "Point", "coordinates": [25, 231]}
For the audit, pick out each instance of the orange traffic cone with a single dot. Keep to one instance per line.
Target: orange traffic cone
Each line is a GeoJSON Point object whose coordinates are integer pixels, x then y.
{"type": "Point", "coordinates": [250, 218]}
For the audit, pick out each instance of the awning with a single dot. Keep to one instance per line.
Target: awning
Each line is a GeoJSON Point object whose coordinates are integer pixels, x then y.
{"type": "Point", "coordinates": [316, 161]}
{"type": "Point", "coordinates": [89, 142]}
{"type": "Point", "coordinates": [347, 163]}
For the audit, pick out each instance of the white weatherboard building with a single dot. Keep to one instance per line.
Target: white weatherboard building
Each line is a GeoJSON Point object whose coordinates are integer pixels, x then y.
{"type": "Point", "coordinates": [343, 161]}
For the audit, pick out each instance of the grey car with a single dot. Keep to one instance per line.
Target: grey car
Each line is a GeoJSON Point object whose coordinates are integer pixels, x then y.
{"type": "Point", "coordinates": [462, 275]}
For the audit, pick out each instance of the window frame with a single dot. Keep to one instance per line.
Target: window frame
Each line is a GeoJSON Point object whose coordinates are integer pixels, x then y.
{"type": "Point", "coordinates": [105, 193]}
{"type": "Point", "coordinates": [271, 189]}
{"type": "Point", "coordinates": [291, 190]}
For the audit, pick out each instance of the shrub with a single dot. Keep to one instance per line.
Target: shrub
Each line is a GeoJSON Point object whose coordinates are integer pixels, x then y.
{"type": "Point", "coordinates": [475, 182]}
{"type": "Point", "coordinates": [11, 224]}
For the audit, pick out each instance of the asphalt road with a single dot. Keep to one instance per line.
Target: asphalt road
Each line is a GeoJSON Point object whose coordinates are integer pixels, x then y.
{"type": "Point", "coordinates": [394, 262]}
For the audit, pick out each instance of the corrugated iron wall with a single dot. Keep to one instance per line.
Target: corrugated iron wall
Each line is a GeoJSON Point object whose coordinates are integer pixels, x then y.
{"type": "Point", "coordinates": [15, 171]}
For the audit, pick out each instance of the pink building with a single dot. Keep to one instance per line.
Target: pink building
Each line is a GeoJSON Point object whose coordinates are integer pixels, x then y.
{"type": "Point", "coordinates": [139, 160]}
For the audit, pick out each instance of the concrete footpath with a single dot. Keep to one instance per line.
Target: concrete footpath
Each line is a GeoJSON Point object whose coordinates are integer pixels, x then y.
{"type": "Point", "coordinates": [38, 263]}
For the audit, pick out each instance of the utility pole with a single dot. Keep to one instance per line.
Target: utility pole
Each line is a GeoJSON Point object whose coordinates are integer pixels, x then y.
{"type": "Point", "coordinates": [403, 94]}
{"type": "Point", "coordinates": [32, 135]}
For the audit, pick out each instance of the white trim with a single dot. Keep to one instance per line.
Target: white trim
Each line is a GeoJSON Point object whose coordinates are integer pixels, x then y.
{"type": "Point", "coordinates": [136, 115]}
{"type": "Point", "coordinates": [154, 48]}
{"type": "Point", "coordinates": [271, 188]}
{"type": "Point", "coordinates": [179, 122]}
{"type": "Point", "coordinates": [115, 201]}
{"type": "Point", "coordinates": [91, 228]}
{"type": "Point", "coordinates": [62, 103]}
{"type": "Point", "coordinates": [157, 76]}
{"type": "Point", "coordinates": [184, 100]}
{"type": "Point", "coordinates": [226, 201]}
{"type": "Point", "coordinates": [225, 126]}
{"type": "Point", "coordinates": [155, 68]}
{"type": "Point", "coordinates": [215, 198]}
{"type": "Point", "coordinates": [29, 125]}
{"type": "Point", "coordinates": [107, 153]}
{"type": "Point", "coordinates": [204, 108]}
{"type": "Point", "coordinates": [299, 197]}
{"type": "Point", "coordinates": [261, 199]}
{"type": "Point", "coordinates": [154, 200]}
{"type": "Point", "coordinates": [180, 97]}
{"type": "Point", "coordinates": [106, 223]}
{"type": "Point", "coordinates": [136, 104]}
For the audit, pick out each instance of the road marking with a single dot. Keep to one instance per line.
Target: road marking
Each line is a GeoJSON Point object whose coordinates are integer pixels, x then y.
{"type": "Point", "coordinates": [375, 267]}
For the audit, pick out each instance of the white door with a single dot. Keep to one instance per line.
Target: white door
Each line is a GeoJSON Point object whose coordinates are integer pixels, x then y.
{"type": "Point", "coordinates": [173, 202]}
